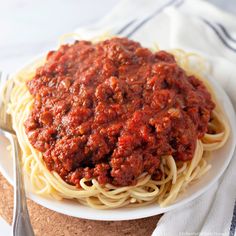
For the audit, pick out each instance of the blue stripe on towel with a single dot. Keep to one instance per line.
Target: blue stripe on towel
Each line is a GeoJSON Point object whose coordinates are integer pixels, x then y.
{"type": "Point", "coordinates": [233, 222]}
{"type": "Point", "coordinates": [219, 35]}
{"type": "Point", "coordinates": [159, 10]}
{"type": "Point", "coordinates": [226, 33]}
{"type": "Point", "coordinates": [125, 27]}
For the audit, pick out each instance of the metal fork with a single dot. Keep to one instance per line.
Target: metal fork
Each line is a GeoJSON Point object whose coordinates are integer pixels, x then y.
{"type": "Point", "coordinates": [21, 225]}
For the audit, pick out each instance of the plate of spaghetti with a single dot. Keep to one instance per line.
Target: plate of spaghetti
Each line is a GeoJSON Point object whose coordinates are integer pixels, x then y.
{"type": "Point", "coordinates": [110, 130]}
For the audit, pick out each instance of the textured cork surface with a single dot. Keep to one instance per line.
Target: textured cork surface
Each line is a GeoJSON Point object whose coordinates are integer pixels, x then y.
{"type": "Point", "coordinates": [49, 223]}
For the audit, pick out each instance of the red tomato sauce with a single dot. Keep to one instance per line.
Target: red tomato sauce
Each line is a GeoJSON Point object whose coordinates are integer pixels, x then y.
{"type": "Point", "coordinates": [111, 110]}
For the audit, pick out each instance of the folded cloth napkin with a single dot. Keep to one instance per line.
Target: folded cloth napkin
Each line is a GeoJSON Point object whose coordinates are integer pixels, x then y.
{"type": "Point", "coordinates": [199, 27]}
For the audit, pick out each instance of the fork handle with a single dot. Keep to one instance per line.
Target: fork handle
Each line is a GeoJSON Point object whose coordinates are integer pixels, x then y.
{"type": "Point", "coordinates": [21, 221]}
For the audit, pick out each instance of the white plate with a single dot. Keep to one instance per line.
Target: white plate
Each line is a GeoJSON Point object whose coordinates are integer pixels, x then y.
{"type": "Point", "coordinates": [219, 161]}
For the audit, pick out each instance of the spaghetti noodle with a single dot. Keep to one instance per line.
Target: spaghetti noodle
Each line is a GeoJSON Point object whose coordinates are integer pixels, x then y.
{"type": "Point", "coordinates": [176, 174]}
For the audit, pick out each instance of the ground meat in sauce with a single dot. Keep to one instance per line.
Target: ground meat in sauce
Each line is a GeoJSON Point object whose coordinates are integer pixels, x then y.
{"type": "Point", "coordinates": [110, 110]}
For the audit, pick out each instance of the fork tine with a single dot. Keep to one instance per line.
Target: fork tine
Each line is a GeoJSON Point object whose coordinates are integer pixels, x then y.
{"type": "Point", "coordinates": [1, 88]}
{"type": "Point", "coordinates": [2, 81]}
{"type": "Point", "coordinates": [4, 77]}
{"type": "Point", "coordinates": [5, 93]}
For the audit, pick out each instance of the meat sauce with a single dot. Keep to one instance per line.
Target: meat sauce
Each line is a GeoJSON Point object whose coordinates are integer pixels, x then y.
{"type": "Point", "coordinates": [112, 109]}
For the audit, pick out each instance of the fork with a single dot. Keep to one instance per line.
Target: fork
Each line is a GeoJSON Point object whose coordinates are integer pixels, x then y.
{"type": "Point", "coordinates": [21, 225]}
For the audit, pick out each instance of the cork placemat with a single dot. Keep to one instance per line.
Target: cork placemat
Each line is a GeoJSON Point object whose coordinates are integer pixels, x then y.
{"type": "Point", "coordinates": [49, 223]}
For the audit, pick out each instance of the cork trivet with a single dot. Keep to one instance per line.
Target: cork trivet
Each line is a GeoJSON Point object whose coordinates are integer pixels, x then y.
{"type": "Point", "coordinates": [49, 223]}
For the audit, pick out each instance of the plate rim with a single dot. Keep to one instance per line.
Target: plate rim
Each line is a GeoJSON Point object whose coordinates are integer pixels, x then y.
{"type": "Point", "coordinates": [108, 214]}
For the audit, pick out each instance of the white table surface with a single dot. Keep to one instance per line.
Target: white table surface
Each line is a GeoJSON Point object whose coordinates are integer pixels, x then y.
{"type": "Point", "coordinates": [29, 27]}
